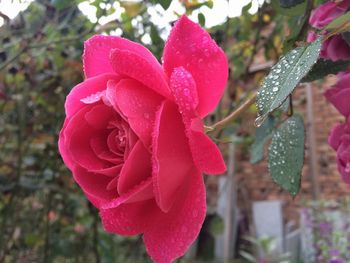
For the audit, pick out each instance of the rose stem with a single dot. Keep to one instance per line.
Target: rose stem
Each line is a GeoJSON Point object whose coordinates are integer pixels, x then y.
{"type": "Point", "coordinates": [234, 115]}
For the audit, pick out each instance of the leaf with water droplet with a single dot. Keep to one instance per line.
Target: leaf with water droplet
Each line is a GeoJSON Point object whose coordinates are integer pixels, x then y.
{"type": "Point", "coordinates": [286, 154]}
{"type": "Point", "coordinates": [262, 135]}
{"type": "Point", "coordinates": [287, 73]}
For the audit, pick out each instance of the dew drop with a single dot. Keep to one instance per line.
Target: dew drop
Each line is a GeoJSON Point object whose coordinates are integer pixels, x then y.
{"type": "Point", "coordinates": [260, 120]}
{"type": "Point", "coordinates": [146, 115]}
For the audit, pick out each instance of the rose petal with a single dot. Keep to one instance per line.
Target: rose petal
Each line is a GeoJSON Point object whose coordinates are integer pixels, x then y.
{"type": "Point", "coordinates": [97, 51]}
{"type": "Point", "coordinates": [100, 148]}
{"type": "Point", "coordinates": [335, 136]}
{"type": "Point", "coordinates": [99, 116]}
{"type": "Point", "coordinates": [324, 14]}
{"type": "Point", "coordinates": [141, 192]}
{"type": "Point", "coordinates": [94, 184]}
{"type": "Point", "coordinates": [335, 48]}
{"type": "Point", "coordinates": [139, 105]}
{"type": "Point", "coordinates": [343, 79]}
{"type": "Point", "coordinates": [82, 90]}
{"type": "Point", "coordinates": [65, 154]}
{"type": "Point", "coordinates": [172, 233]}
{"type": "Point", "coordinates": [191, 47]}
{"type": "Point", "coordinates": [136, 169]}
{"type": "Point", "coordinates": [129, 219]}
{"type": "Point", "coordinates": [131, 64]}
{"type": "Point", "coordinates": [205, 153]}
{"type": "Point", "coordinates": [77, 143]}
{"type": "Point", "coordinates": [171, 155]}
{"type": "Point", "coordinates": [339, 97]}
{"type": "Point", "coordinates": [112, 171]}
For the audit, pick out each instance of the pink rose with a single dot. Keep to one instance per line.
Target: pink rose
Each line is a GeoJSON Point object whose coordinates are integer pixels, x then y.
{"type": "Point", "coordinates": [336, 47]}
{"type": "Point", "coordinates": [133, 135]}
{"type": "Point", "coordinates": [326, 13]}
{"type": "Point", "coordinates": [339, 94]}
{"type": "Point", "coordinates": [339, 139]}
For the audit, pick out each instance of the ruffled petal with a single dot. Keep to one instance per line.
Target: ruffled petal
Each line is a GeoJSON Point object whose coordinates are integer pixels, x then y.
{"type": "Point", "coordinates": [191, 47]}
{"type": "Point", "coordinates": [95, 185]}
{"type": "Point", "coordinates": [206, 154]}
{"type": "Point", "coordinates": [97, 53]}
{"type": "Point", "coordinates": [171, 155]}
{"type": "Point", "coordinates": [142, 191]}
{"type": "Point", "coordinates": [139, 104]}
{"type": "Point", "coordinates": [85, 89]}
{"type": "Point", "coordinates": [172, 233]}
{"type": "Point", "coordinates": [77, 143]}
{"type": "Point", "coordinates": [136, 169]}
{"type": "Point", "coordinates": [128, 63]}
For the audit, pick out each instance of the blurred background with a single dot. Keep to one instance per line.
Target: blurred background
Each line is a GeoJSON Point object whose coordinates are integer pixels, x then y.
{"type": "Point", "coordinates": [44, 216]}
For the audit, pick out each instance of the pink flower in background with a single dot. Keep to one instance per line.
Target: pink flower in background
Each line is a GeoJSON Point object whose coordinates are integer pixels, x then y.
{"type": "Point", "coordinates": [327, 12]}
{"type": "Point", "coordinates": [133, 135]}
{"type": "Point", "coordinates": [334, 48]}
{"type": "Point", "coordinates": [339, 94]}
{"type": "Point", "coordinates": [339, 139]}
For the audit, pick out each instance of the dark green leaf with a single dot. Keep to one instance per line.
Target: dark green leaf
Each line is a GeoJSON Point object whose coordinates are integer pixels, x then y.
{"type": "Point", "coordinates": [325, 67]}
{"type": "Point", "coordinates": [201, 19]}
{"type": "Point", "coordinates": [286, 154]}
{"type": "Point", "coordinates": [61, 4]}
{"type": "Point", "coordinates": [284, 77]}
{"type": "Point", "coordinates": [156, 39]}
{"type": "Point", "coordinates": [290, 3]}
{"type": "Point", "coordinates": [164, 3]}
{"type": "Point", "coordinates": [292, 11]}
{"type": "Point", "coordinates": [262, 135]}
{"type": "Point", "coordinates": [346, 36]}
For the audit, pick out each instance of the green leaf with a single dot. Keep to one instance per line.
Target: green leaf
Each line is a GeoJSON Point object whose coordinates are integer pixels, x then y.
{"type": "Point", "coordinates": [217, 225]}
{"type": "Point", "coordinates": [325, 67]}
{"type": "Point", "coordinates": [284, 77]}
{"type": "Point", "coordinates": [340, 22]}
{"type": "Point", "coordinates": [296, 10]}
{"type": "Point", "coordinates": [286, 154]}
{"type": "Point", "coordinates": [290, 3]}
{"type": "Point", "coordinates": [164, 3]}
{"type": "Point", "coordinates": [61, 4]}
{"type": "Point", "coordinates": [296, 25]}
{"type": "Point", "coordinates": [31, 239]}
{"type": "Point", "coordinates": [154, 34]}
{"type": "Point", "coordinates": [201, 19]}
{"type": "Point", "coordinates": [262, 135]}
